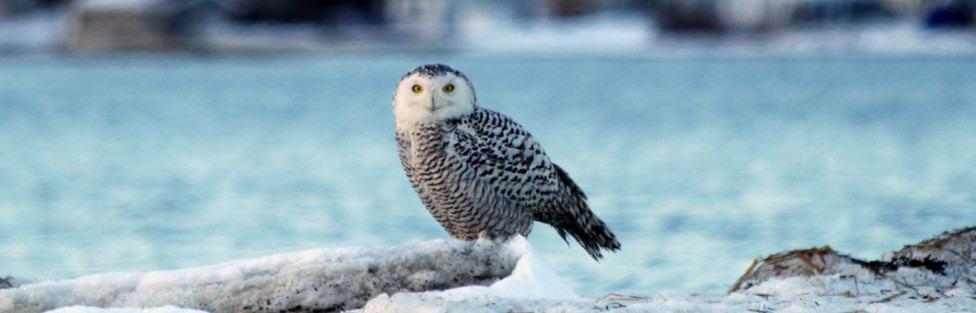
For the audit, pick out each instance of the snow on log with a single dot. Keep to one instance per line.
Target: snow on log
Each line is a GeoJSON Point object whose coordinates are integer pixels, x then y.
{"type": "Point", "coordinates": [315, 280]}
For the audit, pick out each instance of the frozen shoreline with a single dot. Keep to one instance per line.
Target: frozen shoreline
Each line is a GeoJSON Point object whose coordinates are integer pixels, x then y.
{"type": "Point", "coordinates": [935, 275]}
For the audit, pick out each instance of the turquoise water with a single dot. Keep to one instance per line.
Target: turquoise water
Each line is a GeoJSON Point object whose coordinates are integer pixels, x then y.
{"type": "Point", "coordinates": [699, 164]}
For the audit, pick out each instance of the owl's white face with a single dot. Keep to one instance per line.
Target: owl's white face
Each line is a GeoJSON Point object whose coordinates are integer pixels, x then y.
{"type": "Point", "coordinates": [432, 93]}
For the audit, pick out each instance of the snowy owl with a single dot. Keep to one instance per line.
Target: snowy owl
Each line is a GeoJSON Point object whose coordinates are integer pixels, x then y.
{"type": "Point", "coordinates": [478, 172]}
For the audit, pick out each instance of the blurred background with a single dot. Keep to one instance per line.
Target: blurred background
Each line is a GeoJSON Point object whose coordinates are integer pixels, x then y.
{"type": "Point", "coordinates": [140, 135]}
{"type": "Point", "coordinates": [235, 26]}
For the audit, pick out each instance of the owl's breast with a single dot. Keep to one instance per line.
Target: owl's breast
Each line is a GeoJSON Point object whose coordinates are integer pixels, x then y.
{"type": "Point", "coordinates": [433, 155]}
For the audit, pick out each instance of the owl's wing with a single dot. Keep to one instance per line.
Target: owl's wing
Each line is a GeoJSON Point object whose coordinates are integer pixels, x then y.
{"type": "Point", "coordinates": [514, 166]}
{"type": "Point", "coordinates": [506, 158]}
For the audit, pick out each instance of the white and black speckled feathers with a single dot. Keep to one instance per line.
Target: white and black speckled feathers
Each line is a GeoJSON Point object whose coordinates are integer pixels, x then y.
{"type": "Point", "coordinates": [478, 172]}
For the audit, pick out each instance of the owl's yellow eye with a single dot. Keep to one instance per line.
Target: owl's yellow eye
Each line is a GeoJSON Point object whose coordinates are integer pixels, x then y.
{"type": "Point", "coordinates": [417, 89]}
{"type": "Point", "coordinates": [448, 88]}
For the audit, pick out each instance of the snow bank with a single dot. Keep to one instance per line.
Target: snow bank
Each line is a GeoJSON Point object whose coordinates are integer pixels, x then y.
{"type": "Point", "coordinates": [606, 34]}
{"type": "Point", "coordinates": [933, 276]}
{"type": "Point", "coordinates": [315, 280]}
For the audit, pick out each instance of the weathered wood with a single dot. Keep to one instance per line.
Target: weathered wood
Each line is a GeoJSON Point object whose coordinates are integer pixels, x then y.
{"type": "Point", "coordinates": [312, 281]}
{"type": "Point", "coordinates": [950, 254]}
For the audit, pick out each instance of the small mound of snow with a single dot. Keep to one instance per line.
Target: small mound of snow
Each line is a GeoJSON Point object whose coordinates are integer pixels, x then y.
{"type": "Point", "coordinates": [531, 282]}
{"type": "Point", "coordinates": [532, 278]}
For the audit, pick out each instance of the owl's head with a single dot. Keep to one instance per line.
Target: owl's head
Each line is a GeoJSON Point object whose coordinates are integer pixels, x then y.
{"type": "Point", "coordinates": [432, 93]}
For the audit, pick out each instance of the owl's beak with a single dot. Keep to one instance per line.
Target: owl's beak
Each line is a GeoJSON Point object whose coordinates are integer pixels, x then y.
{"type": "Point", "coordinates": [433, 104]}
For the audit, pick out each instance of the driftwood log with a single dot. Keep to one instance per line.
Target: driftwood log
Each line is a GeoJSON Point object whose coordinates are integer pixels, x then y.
{"type": "Point", "coordinates": [311, 281]}
{"type": "Point", "coordinates": [951, 254]}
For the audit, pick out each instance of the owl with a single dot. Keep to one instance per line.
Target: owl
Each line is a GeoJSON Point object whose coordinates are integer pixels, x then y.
{"type": "Point", "coordinates": [481, 174]}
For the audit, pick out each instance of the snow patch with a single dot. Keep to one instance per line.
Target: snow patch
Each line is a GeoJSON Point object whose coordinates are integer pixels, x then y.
{"type": "Point", "coordinates": [531, 282]}
{"type": "Point", "coordinates": [831, 293]}
{"type": "Point", "coordinates": [85, 309]}
{"type": "Point", "coordinates": [610, 34]}
{"type": "Point", "coordinates": [532, 278]}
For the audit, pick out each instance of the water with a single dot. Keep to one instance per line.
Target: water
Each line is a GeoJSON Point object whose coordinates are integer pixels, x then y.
{"type": "Point", "coordinates": [699, 164]}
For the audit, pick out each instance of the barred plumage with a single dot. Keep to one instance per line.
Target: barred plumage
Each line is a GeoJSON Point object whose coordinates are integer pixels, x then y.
{"type": "Point", "coordinates": [478, 172]}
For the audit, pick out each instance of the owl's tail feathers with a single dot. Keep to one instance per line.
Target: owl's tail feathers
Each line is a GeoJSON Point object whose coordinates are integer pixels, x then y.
{"type": "Point", "coordinates": [577, 221]}
{"type": "Point", "coordinates": [590, 232]}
